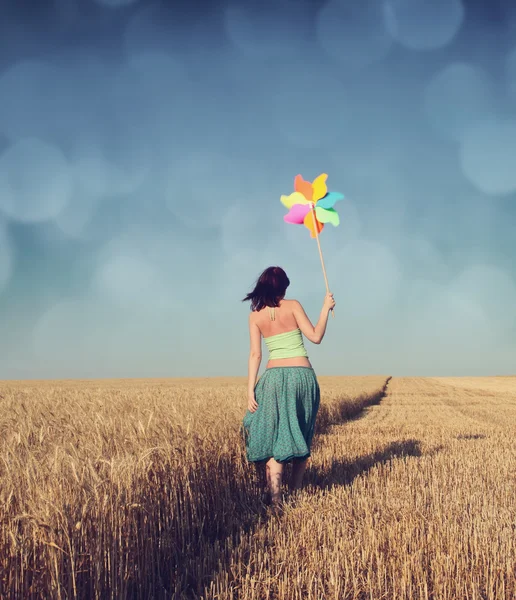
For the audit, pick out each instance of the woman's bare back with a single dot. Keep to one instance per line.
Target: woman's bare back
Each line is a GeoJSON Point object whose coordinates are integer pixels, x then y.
{"type": "Point", "coordinates": [273, 321]}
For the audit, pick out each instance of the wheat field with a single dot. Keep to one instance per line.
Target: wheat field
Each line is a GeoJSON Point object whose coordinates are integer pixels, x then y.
{"type": "Point", "coordinates": [140, 489]}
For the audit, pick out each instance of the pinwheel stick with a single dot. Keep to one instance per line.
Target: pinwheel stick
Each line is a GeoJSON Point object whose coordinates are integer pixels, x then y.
{"type": "Point", "coordinates": [320, 254]}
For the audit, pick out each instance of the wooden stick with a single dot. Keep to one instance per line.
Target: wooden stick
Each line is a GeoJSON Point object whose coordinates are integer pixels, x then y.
{"type": "Point", "coordinates": [320, 254]}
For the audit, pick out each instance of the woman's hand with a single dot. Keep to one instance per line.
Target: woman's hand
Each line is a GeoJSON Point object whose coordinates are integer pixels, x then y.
{"type": "Point", "coordinates": [252, 405]}
{"type": "Point", "coordinates": [329, 302]}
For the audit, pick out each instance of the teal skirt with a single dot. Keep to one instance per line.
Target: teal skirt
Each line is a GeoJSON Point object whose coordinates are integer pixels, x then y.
{"type": "Point", "coordinates": [283, 425]}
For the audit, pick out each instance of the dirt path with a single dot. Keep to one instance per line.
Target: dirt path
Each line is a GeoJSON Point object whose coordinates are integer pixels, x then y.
{"type": "Point", "coordinates": [447, 405]}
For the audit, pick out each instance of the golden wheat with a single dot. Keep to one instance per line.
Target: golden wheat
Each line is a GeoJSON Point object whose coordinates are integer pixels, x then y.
{"type": "Point", "coordinates": [125, 488]}
{"type": "Point", "coordinates": [140, 489]}
{"type": "Point", "coordinates": [414, 500]}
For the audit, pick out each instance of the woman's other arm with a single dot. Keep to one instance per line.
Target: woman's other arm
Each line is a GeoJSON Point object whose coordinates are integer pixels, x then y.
{"type": "Point", "coordinates": [255, 358]}
{"type": "Point", "coordinates": [314, 334]}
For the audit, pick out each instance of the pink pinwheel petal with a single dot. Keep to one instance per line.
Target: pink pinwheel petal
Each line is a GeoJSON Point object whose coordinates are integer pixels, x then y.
{"type": "Point", "coordinates": [297, 214]}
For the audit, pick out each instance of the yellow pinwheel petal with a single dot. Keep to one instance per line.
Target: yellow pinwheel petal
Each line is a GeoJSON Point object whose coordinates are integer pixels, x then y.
{"type": "Point", "coordinates": [319, 187]}
{"type": "Point", "coordinates": [294, 198]}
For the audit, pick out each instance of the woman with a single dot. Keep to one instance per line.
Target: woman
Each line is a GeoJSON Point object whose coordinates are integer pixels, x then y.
{"type": "Point", "coordinates": [282, 406]}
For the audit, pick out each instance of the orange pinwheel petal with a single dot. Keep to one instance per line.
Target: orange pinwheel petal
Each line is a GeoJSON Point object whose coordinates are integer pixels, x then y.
{"type": "Point", "coordinates": [305, 187]}
{"type": "Point", "coordinates": [309, 224]}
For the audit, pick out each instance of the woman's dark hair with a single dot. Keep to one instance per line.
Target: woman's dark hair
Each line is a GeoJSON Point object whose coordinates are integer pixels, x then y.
{"type": "Point", "coordinates": [269, 289]}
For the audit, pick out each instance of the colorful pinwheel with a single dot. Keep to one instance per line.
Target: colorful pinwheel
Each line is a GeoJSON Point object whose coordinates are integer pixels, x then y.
{"type": "Point", "coordinates": [311, 204]}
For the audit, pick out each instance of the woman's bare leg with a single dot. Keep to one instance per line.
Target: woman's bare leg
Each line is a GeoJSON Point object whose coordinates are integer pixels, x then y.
{"type": "Point", "coordinates": [298, 471]}
{"type": "Point", "coordinates": [274, 478]}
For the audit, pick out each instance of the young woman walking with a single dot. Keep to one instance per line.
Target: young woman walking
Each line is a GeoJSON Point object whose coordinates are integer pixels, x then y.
{"type": "Point", "coordinates": [282, 406]}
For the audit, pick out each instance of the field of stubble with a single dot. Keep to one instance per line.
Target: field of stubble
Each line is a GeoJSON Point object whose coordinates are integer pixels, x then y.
{"type": "Point", "coordinates": [140, 489]}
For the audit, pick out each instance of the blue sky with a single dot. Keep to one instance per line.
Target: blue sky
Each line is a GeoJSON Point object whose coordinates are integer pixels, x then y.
{"type": "Point", "coordinates": [144, 149]}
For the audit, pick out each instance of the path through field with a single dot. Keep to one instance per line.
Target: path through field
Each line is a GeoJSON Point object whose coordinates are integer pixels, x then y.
{"type": "Point", "coordinates": [415, 498]}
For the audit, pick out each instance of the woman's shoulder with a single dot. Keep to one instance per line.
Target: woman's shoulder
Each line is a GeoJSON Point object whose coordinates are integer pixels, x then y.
{"type": "Point", "coordinates": [255, 314]}
{"type": "Point", "coordinates": [291, 302]}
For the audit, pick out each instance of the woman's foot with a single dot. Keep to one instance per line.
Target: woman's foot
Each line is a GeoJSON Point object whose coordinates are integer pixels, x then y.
{"type": "Point", "coordinates": [266, 497]}
{"type": "Point", "coordinates": [277, 508]}
{"type": "Point", "coordinates": [277, 498]}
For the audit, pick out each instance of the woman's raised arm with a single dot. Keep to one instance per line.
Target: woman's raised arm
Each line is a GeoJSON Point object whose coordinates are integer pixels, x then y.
{"type": "Point", "coordinates": [314, 334]}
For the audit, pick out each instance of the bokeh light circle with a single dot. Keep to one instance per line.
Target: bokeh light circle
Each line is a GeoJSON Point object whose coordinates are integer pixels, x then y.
{"type": "Point", "coordinates": [36, 182]}
{"type": "Point", "coordinates": [75, 220]}
{"type": "Point", "coordinates": [67, 12]}
{"type": "Point", "coordinates": [20, 84]}
{"type": "Point", "coordinates": [488, 156]}
{"type": "Point", "coordinates": [267, 29]}
{"type": "Point", "coordinates": [200, 184]}
{"type": "Point", "coordinates": [155, 26]}
{"type": "Point", "coordinates": [155, 68]}
{"type": "Point", "coordinates": [421, 256]}
{"type": "Point", "coordinates": [241, 227]}
{"type": "Point", "coordinates": [128, 277]}
{"type": "Point", "coordinates": [66, 337]}
{"type": "Point", "coordinates": [116, 3]}
{"type": "Point", "coordinates": [70, 95]}
{"type": "Point", "coordinates": [6, 257]}
{"type": "Point", "coordinates": [424, 24]}
{"type": "Point", "coordinates": [310, 109]}
{"type": "Point", "coordinates": [112, 160]}
{"type": "Point", "coordinates": [158, 85]}
{"type": "Point", "coordinates": [372, 270]}
{"type": "Point", "coordinates": [353, 33]}
{"type": "Point", "coordinates": [457, 97]}
{"type": "Point", "coordinates": [493, 291]}
{"type": "Point", "coordinates": [350, 221]}
{"type": "Point", "coordinates": [140, 267]}
{"type": "Point", "coordinates": [244, 228]}
{"type": "Point", "coordinates": [510, 69]}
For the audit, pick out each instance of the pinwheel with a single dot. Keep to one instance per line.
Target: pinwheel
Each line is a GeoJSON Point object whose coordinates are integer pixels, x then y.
{"type": "Point", "coordinates": [311, 198]}
{"type": "Point", "coordinates": [312, 205]}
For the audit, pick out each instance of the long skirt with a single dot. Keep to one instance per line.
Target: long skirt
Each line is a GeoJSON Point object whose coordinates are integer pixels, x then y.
{"type": "Point", "coordinates": [283, 425]}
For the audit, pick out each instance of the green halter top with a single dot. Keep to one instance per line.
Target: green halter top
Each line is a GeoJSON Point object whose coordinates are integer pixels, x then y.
{"type": "Point", "coordinates": [285, 345]}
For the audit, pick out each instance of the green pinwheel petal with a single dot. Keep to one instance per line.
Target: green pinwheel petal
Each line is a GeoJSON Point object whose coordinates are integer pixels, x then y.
{"type": "Point", "coordinates": [327, 215]}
